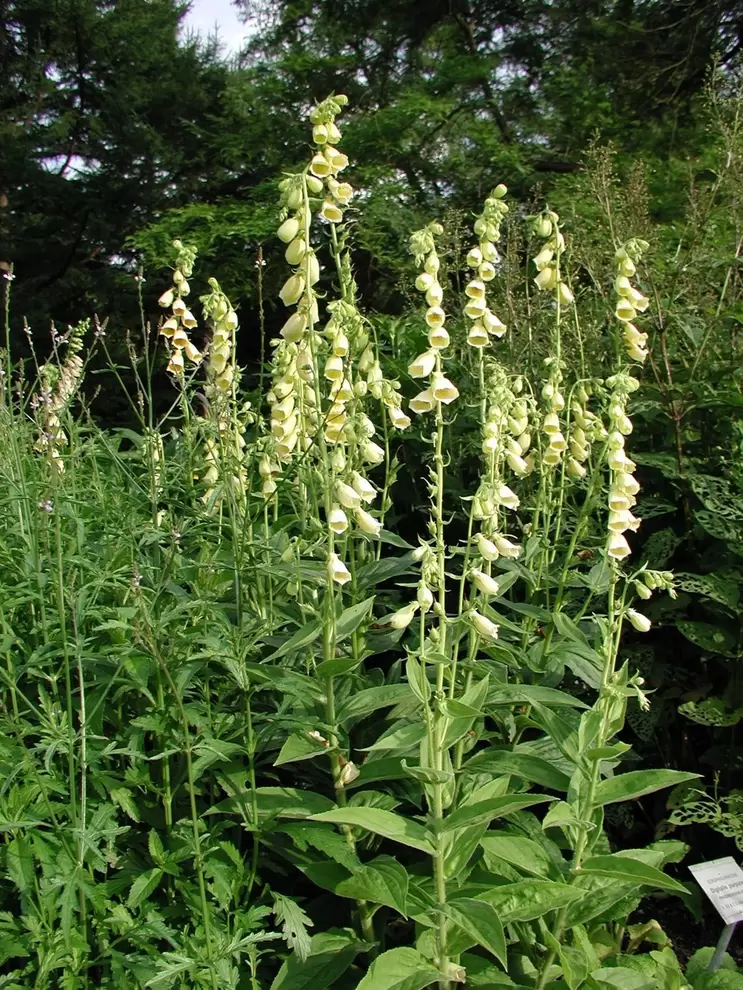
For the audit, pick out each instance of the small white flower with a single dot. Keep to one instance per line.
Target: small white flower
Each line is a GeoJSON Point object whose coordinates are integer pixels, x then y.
{"type": "Point", "coordinates": [483, 625]}
{"type": "Point", "coordinates": [485, 583]}
{"type": "Point", "coordinates": [337, 520]}
{"type": "Point", "coordinates": [337, 570]}
{"type": "Point", "coordinates": [640, 622]}
{"type": "Point", "coordinates": [367, 523]}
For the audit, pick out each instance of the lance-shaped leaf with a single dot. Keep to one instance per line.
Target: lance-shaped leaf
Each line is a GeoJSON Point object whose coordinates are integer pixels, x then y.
{"type": "Point", "coordinates": [481, 922]}
{"type": "Point", "coordinates": [386, 823]}
{"type": "Point", "coordinates": [621, 867]}
{"type": "Point", "coordinates": [400, 969]}
{"type": "Point", "coordinates": [636, 783]}
{"type": "Point", "coordinates": [486, 811]}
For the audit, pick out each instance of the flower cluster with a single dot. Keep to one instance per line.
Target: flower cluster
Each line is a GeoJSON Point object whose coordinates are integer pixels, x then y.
{"type": "Point", "coordinates": [483, 260]}
{"type": "Point", "coordinates": [176, 327]}
{"type": "Point", "coordinates": [294, 417]}
{"type": "Point", "coordinates": [585, 428]}
{"type": "Point", "coordinates": [59, 383]}
{"type": "Point", "coordinates": [224, 452]}
{"type": "Point", "coordinates": [630, 300]}
{"type": "Point", "coordinates": [505, 446]}
{"type": "Point", "coordinates": [554, 402]}
{"type": "Point", "coordinates": [428, 364]}
{"type": "Point", "coordinates": [623, 486]}
{"type": "Point", "coordinates": [547, 261]}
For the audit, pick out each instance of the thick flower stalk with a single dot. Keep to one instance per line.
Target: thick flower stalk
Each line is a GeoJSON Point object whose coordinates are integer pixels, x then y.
{"type": "Point", "coordinates": [483, 258]}
{"type": "Point", "coordinates": [623, 486]}
{"type": "Point", "coordinates": [59, 384]}
{"type": "Point", "coordinates": [176, 327]}
{"type": "Point", "coordinates": [630, 301]}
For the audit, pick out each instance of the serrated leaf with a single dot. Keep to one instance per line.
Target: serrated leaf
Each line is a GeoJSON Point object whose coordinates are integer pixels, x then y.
{"type": "Point", "coordinates": [293, 923]}
{"type": "Point", "coordinates": [380, 822]}
{"type": "Point", "coordinates": [143, 886]}
{"type": "Point", "coordinates": [399, 969]}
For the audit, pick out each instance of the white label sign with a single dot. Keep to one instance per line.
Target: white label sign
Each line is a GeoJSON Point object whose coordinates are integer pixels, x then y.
{"type": "Point", "coordinates": [722, 882]}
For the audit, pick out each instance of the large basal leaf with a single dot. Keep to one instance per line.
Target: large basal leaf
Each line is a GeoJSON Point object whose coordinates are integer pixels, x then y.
{"type": "Point", "coordinates": [399, 969]}
{"type": "Point", "coordinates": [636, 783]}
{"type": "Point", "coordinates": [386, 823]}
{"type": "Point", "coordinates": [382, 881]}
{"type": "Point", "coordinates": [481, 921]}
{"type": "Point", "coordinates": [621, 867]}
{"type": "Point", "coordinates": [529, 899]}
{"type": "Point", "coordinates": [329, 957]}
{"type": "Point", "coordinates": [486, 811]}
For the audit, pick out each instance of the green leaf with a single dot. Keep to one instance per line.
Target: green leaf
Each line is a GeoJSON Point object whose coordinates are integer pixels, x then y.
{"type": "Point", "coordinates": [713, 639]}
{"type": "Point", "coordinates": [573, 962]}
{"type": "Point", "coordinates": [293, 923]}
{"type": "Point", "coordinates": [636, 783]}
{"type": "Point", "coordinates": [382, 881]}
{"type": "Point", "coordinates": [351, 618]}
{"type": "Point", "coordinates": [480, 920]}
{"type": "Point", "coordinates": [529, 899]}
{"type": "Point", "coordinates": [20, 863]}
{"type": "Point", "coordinates": [528, 694]}
{"type": "Point", "coordinates": [486, 811]}
{"type": "Point", "coordinates": [622, 978]}
{"type": "Point", "coordinates": [386, 823]}
{"type": "Point", "coordinates": [299, 746]}
{"type": "Point", "coordinates": [621, 867]}
{"type": "Point", "coordinates": [143, 886]}
{"type": "Point", "coordinates": [531, 768]}
{"type": "Point", "coordinates": [366, 702]}
{"type": "Point", "coordinates": [401, 737]}
{"type": "Point", "coordinates": [329, 957]}
{"type": "Point", "coordinates": [525, 854]}
{"type": "Point", "coordinates": [400, 969]}
{"type": "Point", "coordinates": [303, 637]}
{"type": "Point", "coordinates": [567, 628]}
{"type": "Point", "coordinates": [416, 675]}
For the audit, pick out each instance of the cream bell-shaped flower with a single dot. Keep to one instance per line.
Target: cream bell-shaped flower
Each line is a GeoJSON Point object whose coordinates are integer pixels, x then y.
{"type": "Point", "coordinates": [546, 279]}
{"type": "Point", "coordinates": [347, 496]}
{"type": "Point", "coordinates": [294, 328]}
{"type": "Point", "coordinates": [296, 250]}
{"type": "Point", "coordinates": [565, 295]}
{"type": "Point", "coordinates": [483, 625]}
{"type": "Point", "coordinates": [367, 523]}
{"type": "Point", "coordinates": [424, 282]}
{"type": "Point", "coordinates": [363, 488]}
{"type": "Point", "coordinates": [485, 583]}
{"type": "Point", "coordinates": [435, 317]}
{"type": "Point", "coordinates": [438, 337]}
{"type": "Point", "coordinates": [617, 546]}
{"type": "Point", "coordinates": [639, 621]}
{"type": "Point", "coordinates": [474, 258]}
{"type": "Point", "coordinates": [288, 230]}
{"type": "Point", "coordinates": [292, 290]}
{"type": "Point", "coordinates": [443, 390]}
{"type": "Point", "coordinates": [423, 402]}
{"type": "Point", "coordinates": [337, 570]}
{"type": "Point", "coordinates": [434, 295]}
{"type": "Point", "coordinates": [507, 497]}
{"type": "Point", "coordinates": [166, 299]}
{"type": "Point", "coordinates": [475, 289]}
{"type": "Point", "coordinates": [517, 464]}
{"type": "Point", "coordinates": [423, 365]}
{"type": "Point", "coordinates": [372, 453]}
{"type": "Point", "coordinates": [475, 308]}
{"type": "Point", "coordinates": [506, 548]}
{"type": "Point", "coordinates": [398, 418]}
{"type": "Point", "coordinates": [486, 271]}
{"type": "Point", "coordinates": [492, 324]}
{"type": "Point", "coordinates": [331, 212]}
{"type": "Point", "coordinates": [486, 548]}
{"type": "Point", "coordinates": [478, 335]}
{"type": "Point", "coordinates": [320, 166]}
{"type": "Point", "coordinates": [338, 520]}
{"type": "Point", "coordinates": [402, 618]}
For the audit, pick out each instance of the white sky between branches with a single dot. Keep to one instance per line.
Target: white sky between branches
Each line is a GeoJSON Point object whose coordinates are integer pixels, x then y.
{"type": "Point", "coordinates": [204, 15]}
